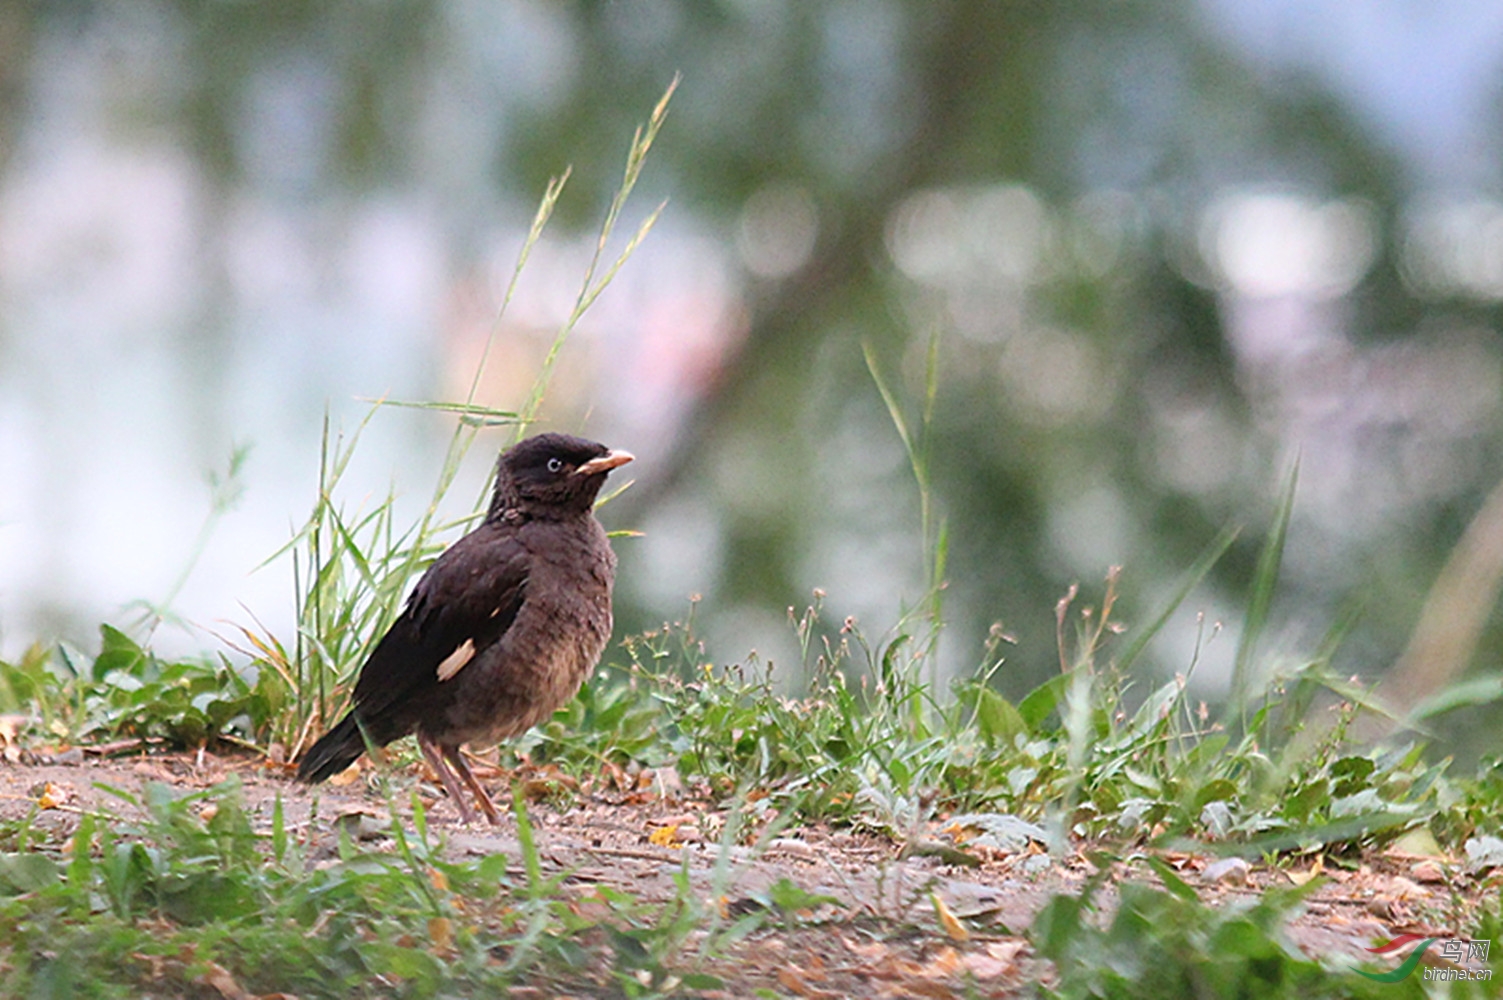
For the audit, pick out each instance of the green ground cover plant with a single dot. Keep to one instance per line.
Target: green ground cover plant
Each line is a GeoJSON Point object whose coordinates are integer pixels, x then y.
{"type": "Point", "coordinates": [184, 895]}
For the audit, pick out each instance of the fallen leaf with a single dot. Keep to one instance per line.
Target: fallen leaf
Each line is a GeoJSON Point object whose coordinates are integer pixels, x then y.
{"type": "Point", "coordinates": [441, 933]}
{"type": "Point", "coordinates": [985, 967]}
{"type": "Point", "coordinates": [954, 929]}
{"type": "Point", "coordinates": [920, 988]}
{"type": "Point", "coordinates": [220, 979]}
{"type": "Point", "coordinates": [871, 952]}
{"type": "Point", "coordinates": [1404, 889]}
{"type": "Point", "coordinates": [1429, 870]}
{"type": "Point", "coordinates": [1000, 957]}
{"type": "Point", "coordinates": [795, 984]}
{"type": "Point", "coordinates": [944, 964]}
{"type": "Point", "coordinates": [52, 796]}
{"type": "Point", "coordinates": [663, 836]}
{"type": "Point", "coordinates": [1303, 878]}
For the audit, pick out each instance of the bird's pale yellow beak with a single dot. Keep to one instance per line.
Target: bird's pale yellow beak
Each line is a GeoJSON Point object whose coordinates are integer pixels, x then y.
{"type": "Point", "coordinates": [605, 463]}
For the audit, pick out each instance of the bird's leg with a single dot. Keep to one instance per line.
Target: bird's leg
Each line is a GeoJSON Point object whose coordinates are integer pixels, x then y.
{"type": "Point", "coordinates": [434, 755]}
{"type": "Point", "coordinates": [486, 805]}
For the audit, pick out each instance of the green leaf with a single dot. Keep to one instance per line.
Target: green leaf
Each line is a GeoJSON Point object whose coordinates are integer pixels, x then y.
{"type": "Point", "coordinates": [1043, 700]}
{"type": "Point", "coordinates": [997, 719]}
{"type": "Point", "coordinates": [117, 651]}
{"type": "Point", "coordinates": [26, 872]}
{"type": "Point", "coordinates": [1216, 790]}
{"type": "Point", "coordinates": [788, 897]}
{"type": "Point", "coordinates": [702, 981]}
{"type": "Point", "coordinates": [1172, 881]}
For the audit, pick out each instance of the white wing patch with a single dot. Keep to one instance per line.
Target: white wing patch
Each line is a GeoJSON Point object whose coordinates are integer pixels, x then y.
{"type": "Point", "coordinates": [455, 661]}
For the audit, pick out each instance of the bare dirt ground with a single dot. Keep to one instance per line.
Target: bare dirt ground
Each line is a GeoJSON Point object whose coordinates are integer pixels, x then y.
{"type": "Point", "coordinates": [884, 934]}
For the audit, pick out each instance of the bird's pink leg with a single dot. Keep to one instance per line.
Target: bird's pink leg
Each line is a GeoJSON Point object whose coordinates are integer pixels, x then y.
{"type": "Point", "coordinates": [434, 755]}
{"type": "Point", "coordinates": [486, 805]}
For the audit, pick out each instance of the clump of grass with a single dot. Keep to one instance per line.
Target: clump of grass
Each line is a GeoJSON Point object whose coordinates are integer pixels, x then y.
{"type": "Point", "coordinates": [183, 893]}
{"type": "Point", "coordinates": [128, 693]}
{"type": "Point", "coordinates": [865, 742]}
{"type": "Point", "coordinates": [1164, 942]}
{"type": "Point", "coordinates": [869, 739]}
{"type": "Point", "coordinates": [351, 568]}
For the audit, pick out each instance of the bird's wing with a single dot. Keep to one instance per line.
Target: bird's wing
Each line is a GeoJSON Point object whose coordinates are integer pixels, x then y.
{"type": "Point", "coordinates": [465, 602]}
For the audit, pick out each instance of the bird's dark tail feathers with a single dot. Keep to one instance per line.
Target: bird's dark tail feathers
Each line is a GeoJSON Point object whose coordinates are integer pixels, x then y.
{"type": "Point", "coordinates": [334, 752]}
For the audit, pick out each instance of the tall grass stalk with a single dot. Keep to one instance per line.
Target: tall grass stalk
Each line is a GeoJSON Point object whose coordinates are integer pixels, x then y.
{"type": "Point", "coordinates": [1265, 578]}
{"type": "Point", "coordinates": [934, 532]}
{"type": "Point", "coordinates": [351, 569]}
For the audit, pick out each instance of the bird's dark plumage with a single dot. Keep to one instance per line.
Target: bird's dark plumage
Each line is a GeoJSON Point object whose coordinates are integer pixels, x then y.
{"type": "Point", "coordinates": [502, 628]}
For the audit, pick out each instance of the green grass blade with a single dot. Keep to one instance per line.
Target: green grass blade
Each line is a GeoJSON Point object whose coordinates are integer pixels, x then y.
{"type": "Point", "coordinates": [894, 409]}
{"type": "Point", "coordinates": [1471, 693]}
{"type": "Point", "coordinates": [472, 414]}
{"type": "Point", "coordinates": [1265, 578]}
{"type": "Point", "coordinates": [589, 288]}
{"type": "Point", "coordinates": [1197, 572]}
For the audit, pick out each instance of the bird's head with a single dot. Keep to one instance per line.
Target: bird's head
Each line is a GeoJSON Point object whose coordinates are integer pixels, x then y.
{"type": "Point", "coordinates": [553, 475]}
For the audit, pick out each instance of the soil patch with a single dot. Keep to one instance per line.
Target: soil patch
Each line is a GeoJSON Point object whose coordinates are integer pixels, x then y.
{"type": "Point", "coordinates": [881, 921]}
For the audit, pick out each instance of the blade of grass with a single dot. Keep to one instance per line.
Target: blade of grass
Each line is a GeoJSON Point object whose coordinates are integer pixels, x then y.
{"type": "Point", "coordinates": [1265, 577]}
{"type": "Point", "coordinates": [590, 289]}
{"type": "Point", "coordinates": [1197, 572]}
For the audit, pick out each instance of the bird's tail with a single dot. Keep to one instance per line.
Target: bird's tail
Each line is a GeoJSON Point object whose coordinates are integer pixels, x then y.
{"type": "Point", "coordinates": [334, 752]}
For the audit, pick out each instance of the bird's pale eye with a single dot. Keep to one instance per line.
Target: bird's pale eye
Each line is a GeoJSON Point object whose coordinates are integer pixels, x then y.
{"type": "Point", "coordinates": [554, 464]}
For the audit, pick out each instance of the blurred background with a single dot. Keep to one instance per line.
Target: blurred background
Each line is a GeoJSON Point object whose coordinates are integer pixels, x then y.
{"type": "Point", "coordinates": [1166, 246]}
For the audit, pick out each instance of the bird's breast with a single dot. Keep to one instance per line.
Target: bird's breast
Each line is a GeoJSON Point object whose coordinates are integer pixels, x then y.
{"type": "Point", "coordinates": [559, 632]}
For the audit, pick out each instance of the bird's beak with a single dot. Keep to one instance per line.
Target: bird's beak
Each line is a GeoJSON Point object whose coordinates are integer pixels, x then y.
{"type": "Point", "coordinates": [605, 463]}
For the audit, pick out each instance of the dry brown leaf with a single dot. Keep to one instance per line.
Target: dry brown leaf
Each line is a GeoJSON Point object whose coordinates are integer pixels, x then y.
{"type": "Point", "coordinates": [1000, 957]}
{"type": "Point", "coordinates": [1429, 871]}
{"type": "Point", "coordinates": [617, 776]}
{"type": "Point", "coordinates": [1404, 889]}
{"type": "Point", "coordinates": [220, 979]}
{"type": "Point", "coordinates": [794, 983]}
{"type": "Point", "coordinates": [920, 988]}
{"type": "Point", "coordinates": [348, 776]}
{"type": "Point", "coordinates": [945, 963]}
{"type": "Point", "coordinates": [441, 933]}
{"type": "Point", "coordinates": [954, 929]}
{"type": "Point", "coordinates": [1317, 868]}
{"type": "Point", "coordinates": [985, 967]}
{"type": "Point", "coordinates": [872, 951]}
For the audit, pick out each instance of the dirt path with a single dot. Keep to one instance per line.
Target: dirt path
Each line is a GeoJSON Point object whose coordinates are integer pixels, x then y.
{"type": "Point", "coordinates": [882, 935]}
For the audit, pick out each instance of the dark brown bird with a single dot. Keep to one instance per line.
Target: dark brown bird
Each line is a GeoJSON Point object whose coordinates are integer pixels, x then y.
{"type": "Point", "coordinates": [501, 629]}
